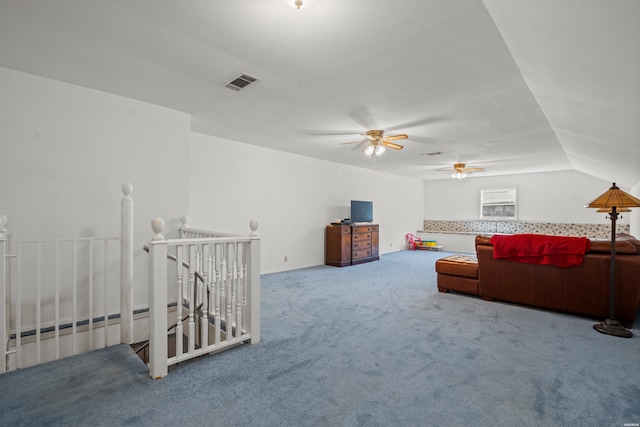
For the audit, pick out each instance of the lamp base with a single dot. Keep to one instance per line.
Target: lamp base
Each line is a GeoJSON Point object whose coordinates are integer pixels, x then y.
{"type": "Point", "coordinates": [613, 327]}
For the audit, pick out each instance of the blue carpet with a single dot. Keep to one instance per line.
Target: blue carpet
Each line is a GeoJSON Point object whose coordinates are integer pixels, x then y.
{"type": "Point", "coordinates": [368, 345]}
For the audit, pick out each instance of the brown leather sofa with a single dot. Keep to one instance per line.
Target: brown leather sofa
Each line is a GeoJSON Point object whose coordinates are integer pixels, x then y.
{"type": "Point", "coordinates": [579, 290]}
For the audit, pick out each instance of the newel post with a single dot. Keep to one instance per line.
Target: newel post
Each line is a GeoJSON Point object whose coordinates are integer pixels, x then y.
{"type": "Point", "coordinates": [183, 225]}
{"type": "Point", "coordinates": [158, 367]}
{"type": "Point", "coordinates": [126, 263]}
{"type": "Point", "coordinates": [254, 289]}
{"type": "Point", "coordinates": [4, 312]}
{"type": "Point", "coordinates": [3, 228]}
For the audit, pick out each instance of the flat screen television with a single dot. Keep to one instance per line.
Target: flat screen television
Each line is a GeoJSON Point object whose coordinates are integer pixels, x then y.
{"type": "Point", "coordinates": [361, 211]}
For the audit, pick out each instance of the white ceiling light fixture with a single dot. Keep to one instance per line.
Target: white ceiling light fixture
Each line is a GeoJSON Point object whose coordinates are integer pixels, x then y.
{"type": "Point", "coordinates": [374, 148]}
{"type": "Point", "coordinates": [369, 150]}
{"type": "Point", "coordinates": [459, 175]}
{"type": "Point", "coordinates": [299, 4]}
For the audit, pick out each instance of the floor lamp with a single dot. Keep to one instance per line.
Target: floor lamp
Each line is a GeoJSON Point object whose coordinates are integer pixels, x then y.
{"type": "Point", "coordinates": [613, 202]}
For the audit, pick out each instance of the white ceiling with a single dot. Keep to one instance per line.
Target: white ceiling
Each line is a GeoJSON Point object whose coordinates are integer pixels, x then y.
{"type": "Point", "coordinates": [514, 86]}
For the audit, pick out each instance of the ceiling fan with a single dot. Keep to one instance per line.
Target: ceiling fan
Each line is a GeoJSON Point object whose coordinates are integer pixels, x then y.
{"type": "Point", "coordinates": [460, 170]}
{"type": "Point", "coordinates": [377, 143]}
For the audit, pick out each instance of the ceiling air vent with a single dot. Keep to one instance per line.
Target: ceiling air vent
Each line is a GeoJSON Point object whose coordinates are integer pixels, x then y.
{"type": "Point", "coordinates": [241, 82]}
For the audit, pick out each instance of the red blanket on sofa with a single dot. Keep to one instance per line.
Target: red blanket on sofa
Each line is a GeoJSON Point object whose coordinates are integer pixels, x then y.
{"type": "Point", "coordinates": [560, 251]}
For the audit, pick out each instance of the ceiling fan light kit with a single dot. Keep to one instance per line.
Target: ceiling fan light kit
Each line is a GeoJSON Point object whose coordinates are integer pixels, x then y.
{"type": "Point", "coordinates": [459, 175]}
{"type": "Point", "coordinates": [460, 170]}
{"type": "Point", "coordinates": [368, 150]}
{"type": "Point", "coordinates": [299, 4]}
{"type": "Point", "coordinates": [374, 148]}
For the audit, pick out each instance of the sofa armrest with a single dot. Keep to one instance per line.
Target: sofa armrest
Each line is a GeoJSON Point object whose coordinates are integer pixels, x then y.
{"type": "Point", "coordinates": [483, 240]}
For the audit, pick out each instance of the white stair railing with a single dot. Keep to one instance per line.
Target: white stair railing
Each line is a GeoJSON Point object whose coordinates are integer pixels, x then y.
{"type": "Point", "coordinates": [218, 312]}
{"type": "Point", "coordinates": [60, 297]}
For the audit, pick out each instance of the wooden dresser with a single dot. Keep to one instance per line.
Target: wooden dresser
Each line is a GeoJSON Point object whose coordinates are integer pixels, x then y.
{"type": "Point", "coordinates": [351, 244]}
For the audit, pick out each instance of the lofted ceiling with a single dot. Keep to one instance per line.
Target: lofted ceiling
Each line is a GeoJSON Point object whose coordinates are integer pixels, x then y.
{"type": "Point", "coordinates": [514, 86]}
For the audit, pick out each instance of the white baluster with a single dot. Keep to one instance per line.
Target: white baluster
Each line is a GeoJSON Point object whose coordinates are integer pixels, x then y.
{"type": "Point", "coordinates": [238, 291]}
{"type": "Point", "coordinates": [218, 297]}
{"type": "Point", "coordinates": [234, 294]}
{"type": "Point", "coordinates": [223, 271]}
{"type": "Point", "coordinates": [198, 269]}
{"type": "Point", "coordinates": [180, 299]}
{"type": "Point", "coordinates": [204, 318]}
{"type": "Point", "coordinates": [229, 299]}
{"type": "Point", "coordinates": [246, 251]}
{"type": "Point", "coordinates": [18, 306]}
{"type": "Point", "coordinates": [192, 290]}
{"type": "Point", "coordinates": [223, 289]}
{"type": "Point", "coordinates": [4, 307]}
{"type": "Point", "coordinates": [244, 287]}
{"type": "Point", "coordinates": [211, 275]}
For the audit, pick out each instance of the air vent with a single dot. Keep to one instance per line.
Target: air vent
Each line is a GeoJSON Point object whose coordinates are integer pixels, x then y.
{"type": "Point", "coordinates": [241, 82]}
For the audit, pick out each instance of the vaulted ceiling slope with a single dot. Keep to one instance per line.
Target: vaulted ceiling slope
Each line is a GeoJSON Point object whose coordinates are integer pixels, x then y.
{"type": "Point", "coordinates": [514, 86]}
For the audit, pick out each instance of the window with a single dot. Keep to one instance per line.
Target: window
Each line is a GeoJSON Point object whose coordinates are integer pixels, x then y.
{"type": "Point", "coordinates": [498, 203]}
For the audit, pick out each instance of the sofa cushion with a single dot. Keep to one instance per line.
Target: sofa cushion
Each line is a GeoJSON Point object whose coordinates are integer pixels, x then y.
{"type": "Point", "coordinates": [623, 247]}
{"type": "Point", "coordinates": [623, 237]}
{"type": "Point", "coordinates": [458, 265]}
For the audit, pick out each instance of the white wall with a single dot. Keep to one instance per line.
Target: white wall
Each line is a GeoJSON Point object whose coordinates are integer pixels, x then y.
{"type": "Point", "coordinates": [546, 197]}
{"type": "Point", "coordinates": [293, 198]}
{"type": "Point", "coordinates": [66, 151]}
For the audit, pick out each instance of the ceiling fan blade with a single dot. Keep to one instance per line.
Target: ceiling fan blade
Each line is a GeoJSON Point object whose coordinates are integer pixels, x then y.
{"type": "Point", "coordinates": [352, 142]}
{"type": "Point", "coordinates": [416, 123]}
{"type": "Point", "coordinates": [391, 145]}
{"type": "Point", "coordinates": [361, 116]}
{"type": "Point", "coordinates": [423, 139]}
{"type": "Point", "coordinates": [461, 168]}
{"type": "Point", "coordinates": [394, 137]}
{"type": "Point", "coordinates": [330, 133]}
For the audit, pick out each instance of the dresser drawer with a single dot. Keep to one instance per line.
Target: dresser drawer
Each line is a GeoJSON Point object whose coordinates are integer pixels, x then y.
{"type": "Point", "coordinates": [363, 244]}
{"type": "Point", "coordinates": [364, 228]}
{"type": "Point", "coordinates": [361, 253]}
{"type": "Point", "coordinates": [360, 236]}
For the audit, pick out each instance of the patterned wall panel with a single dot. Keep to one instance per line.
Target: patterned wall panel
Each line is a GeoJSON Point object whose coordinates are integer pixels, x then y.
{"type": "Point", "coordinates": [592, 231]}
